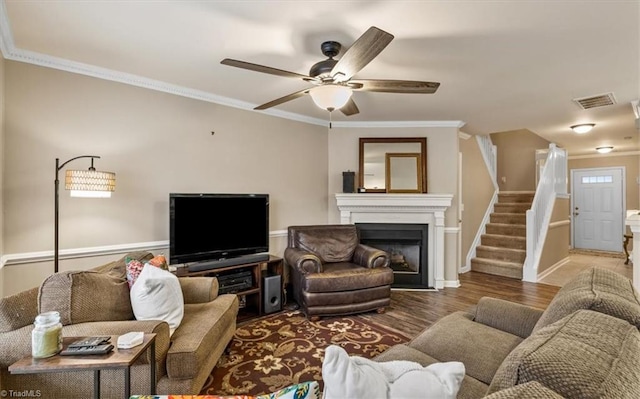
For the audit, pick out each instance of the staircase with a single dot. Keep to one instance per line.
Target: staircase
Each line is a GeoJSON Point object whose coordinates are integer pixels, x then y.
{"type": "Point", "coordinates": [502, 248]}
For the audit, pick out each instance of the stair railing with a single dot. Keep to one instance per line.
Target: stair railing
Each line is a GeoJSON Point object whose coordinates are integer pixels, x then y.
{"type": "Point", "coordinates": [490, 155]}
{"type": "Point", "coordinates": [553, 181]}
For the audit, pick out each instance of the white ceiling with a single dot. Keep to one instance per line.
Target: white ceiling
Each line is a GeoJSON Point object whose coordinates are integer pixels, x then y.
{"type": "Point", "coordinates": [502, 65]}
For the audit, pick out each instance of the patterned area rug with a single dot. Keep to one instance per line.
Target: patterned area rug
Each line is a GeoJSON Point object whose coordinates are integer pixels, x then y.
{"type": "Point", "coordinates": [271, 353]}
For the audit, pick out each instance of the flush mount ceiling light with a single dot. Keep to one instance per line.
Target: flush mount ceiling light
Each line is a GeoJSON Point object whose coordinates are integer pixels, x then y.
{"type": "Point", "coordinates": [331, 97]}
{"type": "Point", "coordinates": [605, 149]}
{"type": "Point", "coordinates": [583, 127]}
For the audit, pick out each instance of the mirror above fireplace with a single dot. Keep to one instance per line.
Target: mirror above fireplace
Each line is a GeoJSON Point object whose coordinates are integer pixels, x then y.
{"type": "Point", "coordinates": [378, 155]}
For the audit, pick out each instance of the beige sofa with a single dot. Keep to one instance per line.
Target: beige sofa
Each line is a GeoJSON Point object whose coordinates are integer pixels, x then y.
{"type": "Point", "coordinates": [96, 302]}
{"type": "Point", "coordinates": [586, 344]}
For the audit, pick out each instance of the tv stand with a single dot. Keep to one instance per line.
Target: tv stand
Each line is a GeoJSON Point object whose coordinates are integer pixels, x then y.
{"type": "Point", "coordinates": [252, 299]}
{"type": "Point", "coordinates": [216, 264]}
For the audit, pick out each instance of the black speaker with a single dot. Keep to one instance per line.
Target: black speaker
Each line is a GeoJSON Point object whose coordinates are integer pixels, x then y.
{"type": "Point", "coordinates": [348, 182]}
{"type": "Point", "coordinates": [271, 293]}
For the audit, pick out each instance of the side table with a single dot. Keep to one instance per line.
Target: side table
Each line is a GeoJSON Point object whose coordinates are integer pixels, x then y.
{"type": "Point", "coordinates": [118, 358]}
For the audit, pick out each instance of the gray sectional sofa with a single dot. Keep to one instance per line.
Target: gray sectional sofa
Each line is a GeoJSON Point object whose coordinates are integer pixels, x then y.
{"type": "Point", "coordinates": [586, 344]}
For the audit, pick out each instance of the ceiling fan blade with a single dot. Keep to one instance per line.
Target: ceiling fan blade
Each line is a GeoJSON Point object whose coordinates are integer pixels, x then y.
{"type": "Point", "coordinates": [350, 108]}
{"type": "Point", "coordinates": [284, 99]}
{"type": "Point", "coordinates": [395, 86]}
{"type": "Point", "coordinates": [263, 69]}
{"type": "Point", "coordinates": [363, 50]}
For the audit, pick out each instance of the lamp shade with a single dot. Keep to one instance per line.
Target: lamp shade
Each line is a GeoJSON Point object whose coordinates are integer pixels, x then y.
{"type": "Point", "coordinates": [331, 96]}
{"type": "Point", "coordinates": [583, 127]}
{"type": "Point", "coordinates": [90, 183]}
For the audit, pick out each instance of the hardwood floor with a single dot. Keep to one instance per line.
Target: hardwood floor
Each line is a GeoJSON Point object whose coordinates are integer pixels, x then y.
{"type": "Point", "coordinates": [413, 311]}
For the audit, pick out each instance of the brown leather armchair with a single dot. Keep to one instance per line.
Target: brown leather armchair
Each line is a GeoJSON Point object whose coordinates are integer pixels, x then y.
{"type": "Point", "coordinates": [333, 274]}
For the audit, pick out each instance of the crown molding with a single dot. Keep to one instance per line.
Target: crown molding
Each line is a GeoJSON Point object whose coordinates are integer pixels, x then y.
{"type": "Point", "coordinates": [607, 155]}
{"type": "Point", "coordinates": [6, 38]}
{"type": "Point", "coordinates": [399, 124]}
{"type": "Point", "coordinates": [10, 52]}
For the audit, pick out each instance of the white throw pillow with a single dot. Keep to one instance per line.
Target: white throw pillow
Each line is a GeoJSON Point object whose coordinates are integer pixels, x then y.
{"type": "Point", "coordinates": [357, 377]}
{"type": "Point", "coordinates": [156, 295]}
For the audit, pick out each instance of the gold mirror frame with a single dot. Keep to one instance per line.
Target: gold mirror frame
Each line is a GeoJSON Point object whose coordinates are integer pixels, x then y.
{"type": "Point", "coordinates": [375, 149]}
{"type": "Point", "coordinates": [402, 172]}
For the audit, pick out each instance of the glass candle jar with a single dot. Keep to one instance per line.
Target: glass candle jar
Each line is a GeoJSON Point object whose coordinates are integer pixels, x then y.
{"type": "Point", "coordinates": [46, 337]}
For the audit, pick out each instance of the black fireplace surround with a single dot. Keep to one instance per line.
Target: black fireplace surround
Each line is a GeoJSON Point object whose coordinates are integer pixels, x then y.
{"type": "Point", "coordinates": [408, 247]}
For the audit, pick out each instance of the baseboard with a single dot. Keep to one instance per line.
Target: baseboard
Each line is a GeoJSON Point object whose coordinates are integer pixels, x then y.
{"type": "Point", "coordinates": [553, 268]}
{"type": "Point", "coordinates": [451, 283]}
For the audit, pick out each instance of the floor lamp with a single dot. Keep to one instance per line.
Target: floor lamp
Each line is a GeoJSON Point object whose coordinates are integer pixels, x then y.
{"type": "Point", "coordinates": [81, 183]}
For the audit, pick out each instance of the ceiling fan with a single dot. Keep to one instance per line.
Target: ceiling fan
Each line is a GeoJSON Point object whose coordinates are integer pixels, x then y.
{"type": "Point", "coordinates": [332, 79]}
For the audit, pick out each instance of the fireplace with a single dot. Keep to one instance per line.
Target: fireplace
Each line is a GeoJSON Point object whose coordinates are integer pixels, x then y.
{"type": "Point", "coordinates": [407, 246]}
{"type": "Point", "coordinates": [426, 210]}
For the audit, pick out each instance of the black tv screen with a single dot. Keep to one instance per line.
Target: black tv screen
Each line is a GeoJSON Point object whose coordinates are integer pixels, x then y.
{"type": "Point", "coordinates": [217, 226]}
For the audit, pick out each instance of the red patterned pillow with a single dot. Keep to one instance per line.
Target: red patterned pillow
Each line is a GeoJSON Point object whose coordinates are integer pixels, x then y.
{"type": "Point", "coordinates": [134, 267]}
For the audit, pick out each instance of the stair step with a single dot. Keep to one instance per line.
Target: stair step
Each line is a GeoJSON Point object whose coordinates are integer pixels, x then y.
{"type": "Point", "coordinates": [511, 207]}
{"type": "Point", "coordinates": [512, 218]}
{"type": "Point", "coordinates": [504, 241]}
{"type": "Point", "coordinates": [498, 253]}
{"type": "Point", "coordinates": [497, 267]}
{"type": "Point", "coordinates": [519, 230]}
{"type": "Point", "coordinates": [502, 249]}
{"type": "Point", "coordinates": [516, 196]}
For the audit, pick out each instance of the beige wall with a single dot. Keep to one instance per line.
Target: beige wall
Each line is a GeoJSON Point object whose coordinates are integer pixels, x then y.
{"type": "Point", "coordinates": [477, 192]}
{"type": "Point", "coordinates": [442, 172]}
{"type": "Point", "coordinates": [631, 164]}
{"type": "Point", "coordinates": [557, 241]}
{"type": "Point", "coordinates": [156, 143]}
{"type": "Point", "coordinates": [2, 278]}
{"type": "Point", "coordinates": [516, 159]}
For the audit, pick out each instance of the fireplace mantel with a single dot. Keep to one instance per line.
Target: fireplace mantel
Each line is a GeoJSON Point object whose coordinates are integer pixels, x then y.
{"type": "Point", "coordinates": [403, 208]}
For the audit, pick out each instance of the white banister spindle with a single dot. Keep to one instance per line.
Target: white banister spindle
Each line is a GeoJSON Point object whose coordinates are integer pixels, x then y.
{"type": "Point", "coordinates": [490, 155]}
{"type": "Point", "coordinates": [553, 181]}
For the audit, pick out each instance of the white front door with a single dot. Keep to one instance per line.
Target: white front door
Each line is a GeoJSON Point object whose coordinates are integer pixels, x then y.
{"type": "Point", "coordinates": [597, 208]}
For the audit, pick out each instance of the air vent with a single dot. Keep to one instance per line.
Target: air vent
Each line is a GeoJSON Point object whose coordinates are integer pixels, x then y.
{"type": "Point", "coordinates": [596, 101]}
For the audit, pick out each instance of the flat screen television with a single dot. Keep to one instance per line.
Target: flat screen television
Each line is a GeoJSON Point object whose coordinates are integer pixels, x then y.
{"type": "Point", "coordinates": [214, 227]}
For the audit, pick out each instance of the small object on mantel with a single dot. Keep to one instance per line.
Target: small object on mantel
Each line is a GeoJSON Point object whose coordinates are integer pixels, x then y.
{"type": "Point", "coordinates": [348, 181]}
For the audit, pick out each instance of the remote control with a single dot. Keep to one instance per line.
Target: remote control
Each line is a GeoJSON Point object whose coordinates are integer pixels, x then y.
{"type": "Point", "coordinates": [90, 341]}
{"type": "Point", "coordinates": [88, 350]}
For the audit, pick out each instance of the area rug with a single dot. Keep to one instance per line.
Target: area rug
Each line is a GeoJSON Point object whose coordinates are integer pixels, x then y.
{"type": "Point", "coordinates": [271, 353]}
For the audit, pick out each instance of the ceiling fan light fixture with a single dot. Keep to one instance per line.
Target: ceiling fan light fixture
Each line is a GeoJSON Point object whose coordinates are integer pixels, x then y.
{"type": "Point", "coordinates": [330, 96]}
{"type": "Point", "coordinates": [583, 128]}
{"type": "Point", "coordinates": [605, 149]}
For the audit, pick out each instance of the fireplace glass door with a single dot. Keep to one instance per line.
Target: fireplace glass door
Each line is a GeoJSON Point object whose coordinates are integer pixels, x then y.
{"type": "Point", "coordinates": [407, 247]}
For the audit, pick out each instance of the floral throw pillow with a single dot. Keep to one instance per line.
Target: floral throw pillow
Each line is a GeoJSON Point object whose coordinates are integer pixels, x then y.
{"type": "Point", "coordinates": [304, 390]}
{"type": "Point", "coordinates": [134, 267]}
